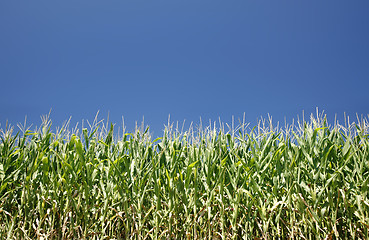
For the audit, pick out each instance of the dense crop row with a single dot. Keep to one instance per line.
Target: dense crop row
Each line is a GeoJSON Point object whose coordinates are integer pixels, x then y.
{"type": "Point", "coordinates": [305, 181]}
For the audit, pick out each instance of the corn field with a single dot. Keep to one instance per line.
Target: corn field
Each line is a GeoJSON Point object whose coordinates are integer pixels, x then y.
{"type": "Point", "coordinates": [308, 180]}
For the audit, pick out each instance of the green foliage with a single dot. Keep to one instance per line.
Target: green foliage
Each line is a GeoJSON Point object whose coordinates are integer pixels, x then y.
{"type": "Point", "coordinates": [308, 181]}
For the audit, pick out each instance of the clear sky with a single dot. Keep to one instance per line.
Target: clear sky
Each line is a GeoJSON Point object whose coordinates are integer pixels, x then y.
{"type": "Point", "coordinates": [186, 58]}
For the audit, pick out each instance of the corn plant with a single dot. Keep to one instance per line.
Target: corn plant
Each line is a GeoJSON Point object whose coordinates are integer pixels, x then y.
{"type": "Point", "coordinates": [308, 180]}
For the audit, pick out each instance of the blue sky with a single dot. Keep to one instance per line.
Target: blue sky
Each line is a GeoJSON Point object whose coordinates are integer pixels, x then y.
{"type": "Point", "coordinates": [186, 58]}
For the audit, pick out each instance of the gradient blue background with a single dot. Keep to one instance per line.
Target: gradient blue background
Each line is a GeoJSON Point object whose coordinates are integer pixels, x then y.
{"type": "Point", "coordinates": [186, 58]}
